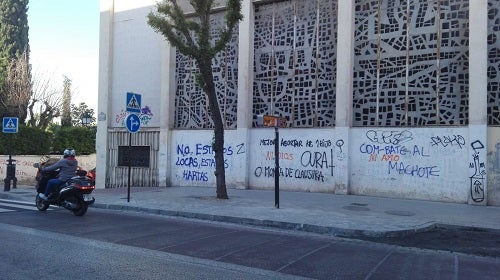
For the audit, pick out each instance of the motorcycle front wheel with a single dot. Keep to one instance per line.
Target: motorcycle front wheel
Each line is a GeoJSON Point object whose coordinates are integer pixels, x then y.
{"type": "Point", "coordinates": [41, 204]}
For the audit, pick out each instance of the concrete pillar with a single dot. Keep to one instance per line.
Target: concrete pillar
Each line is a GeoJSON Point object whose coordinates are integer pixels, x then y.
{"type": "Point", "coordinates": [245, 86]}
{"type": "Point", "coordinates": [104, 88]}
{"type": "Point", "coordinates": [478, 94]}
{"type": "Point", "coordinates": [343, 117]}
{"type": "Point", "coordinates": [167, 105]}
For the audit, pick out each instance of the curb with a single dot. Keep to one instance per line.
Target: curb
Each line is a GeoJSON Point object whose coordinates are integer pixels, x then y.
{"type": "Point", "coordinates": [318, 229]}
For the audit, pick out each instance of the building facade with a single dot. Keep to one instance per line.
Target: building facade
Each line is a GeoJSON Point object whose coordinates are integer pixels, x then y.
{"type": "Point", "coordinates": [392, 98]}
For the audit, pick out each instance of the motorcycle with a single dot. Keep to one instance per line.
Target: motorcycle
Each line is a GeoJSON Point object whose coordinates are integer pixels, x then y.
{"type": "Point", "coordinates": [74, 194]}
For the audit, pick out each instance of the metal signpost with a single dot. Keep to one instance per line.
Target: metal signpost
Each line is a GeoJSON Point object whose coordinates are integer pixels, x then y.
{"type": "Point", "coordinates": [276, 122]}
{"type": "Point", "coordinates": [10, 125]}
{"type": "Point", "coordinates": [133, 123]}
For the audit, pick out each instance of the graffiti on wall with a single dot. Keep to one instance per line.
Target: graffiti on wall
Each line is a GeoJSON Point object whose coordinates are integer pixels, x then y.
{"type": "Point", "coordinates": [448, 141]}
{"type": "Point", "coordinates": [24, 169]}
{"type": "Point", "coordinates": [395, 149]}
{"type": "Point", "coordinates": [433, 159]}
{"type": "Point", "coordinates": [478, 178]}
{"type": "Point", "coordinates": [196, 161]}
{"type": "Point", "coordinates": [145, 116]}
{"type": "Point", "coordinates": [301, 159]}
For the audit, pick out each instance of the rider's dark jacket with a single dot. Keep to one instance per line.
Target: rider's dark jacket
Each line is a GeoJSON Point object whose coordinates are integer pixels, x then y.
{"type": "Point", "coordinates": [67, 167]}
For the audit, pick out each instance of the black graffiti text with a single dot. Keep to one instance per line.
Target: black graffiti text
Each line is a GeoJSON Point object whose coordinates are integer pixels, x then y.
{"type": "Point", "coordinates": [240, 149]}
{"type": "Point", "coordinates": [448, 140]}
{"type": "Point", "coordinates": [389, 137]}
{"type": "Point", "coordinates": [318, 160]}
{"type": "Point", "coordinates": [305, 174]}
{"type": "Point", "coordinates": [291, 143]}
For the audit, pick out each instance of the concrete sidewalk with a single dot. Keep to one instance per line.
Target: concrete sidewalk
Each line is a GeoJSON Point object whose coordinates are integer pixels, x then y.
{"type": "Point", "coordinates": [340, 215]}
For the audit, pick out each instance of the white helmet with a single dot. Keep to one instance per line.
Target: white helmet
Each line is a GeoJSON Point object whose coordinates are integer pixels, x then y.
{"type": "Point", "coordinates": [69, 152]}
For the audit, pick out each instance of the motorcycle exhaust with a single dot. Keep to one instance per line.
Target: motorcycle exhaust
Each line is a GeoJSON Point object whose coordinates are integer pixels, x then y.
{"type": "Point", "coordinates": [68, 205]}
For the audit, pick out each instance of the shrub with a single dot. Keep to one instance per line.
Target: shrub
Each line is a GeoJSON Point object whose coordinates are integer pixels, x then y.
{"type": "Point", "coordinates": [82, 139]}
{"type": "Point", "coordinates": [35, 141]}
{"type": "Point", "coordinates": [27, 141]}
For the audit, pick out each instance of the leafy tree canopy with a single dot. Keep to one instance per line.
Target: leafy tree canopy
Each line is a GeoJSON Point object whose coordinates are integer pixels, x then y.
{"type": "Point", "coordinates": [13, 31]}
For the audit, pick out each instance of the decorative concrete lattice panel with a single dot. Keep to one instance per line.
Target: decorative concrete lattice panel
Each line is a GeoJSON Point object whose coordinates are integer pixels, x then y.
{"type": "Point", "coordinates": [295, 62]}
{"type": "Point", "coordinates": [411, 63]}
{"type": "Point", "coordinates": [191, 103]}
{"type": "Point", "coordinates": [494, 62]}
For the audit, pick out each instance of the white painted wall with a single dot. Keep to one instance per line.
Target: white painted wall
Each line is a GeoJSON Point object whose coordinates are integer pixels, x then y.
{"type": "Point", "coordinates": [193, 162]}
{"type": "Point", "coordinates": [494, 166]}
{"type": "Point", "coordinates": [135, 61]}
{"type": "Point", "coordinates": [419, 163]}
{"type": "Point", "coordinates": [306, 159]}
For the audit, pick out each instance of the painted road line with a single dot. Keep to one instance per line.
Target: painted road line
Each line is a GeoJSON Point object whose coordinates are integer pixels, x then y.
{"type": "Point", "coordinates": [20, 205]}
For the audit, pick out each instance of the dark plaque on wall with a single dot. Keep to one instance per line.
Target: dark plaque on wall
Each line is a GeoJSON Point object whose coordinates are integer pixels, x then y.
{"type": "Point", "coordinates": [136, 156]}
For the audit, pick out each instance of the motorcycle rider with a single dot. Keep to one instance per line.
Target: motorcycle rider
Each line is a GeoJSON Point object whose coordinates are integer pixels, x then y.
{"type": "Point", "coordinates": [67, 167]}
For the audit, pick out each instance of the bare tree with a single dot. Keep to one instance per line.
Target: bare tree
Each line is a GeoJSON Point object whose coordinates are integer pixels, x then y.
{"type": "Point", "coordinates": [46, 102]}
{"type": "Point", "coordinates": [192, 38]}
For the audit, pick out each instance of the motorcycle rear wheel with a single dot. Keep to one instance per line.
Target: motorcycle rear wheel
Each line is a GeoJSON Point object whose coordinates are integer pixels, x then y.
{"type": "Point", "coordinates": [41, 204]}
{"type": "Point", "coordinates": [81, 211]}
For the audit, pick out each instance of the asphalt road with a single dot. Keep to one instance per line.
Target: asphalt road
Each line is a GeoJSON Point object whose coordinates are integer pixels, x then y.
{"type": "Point", "coordinates": [48, 255]}
{"type": "Point", "coordinates": [473, 241]}
{"type": "Point", "coordinates": [284, 253]}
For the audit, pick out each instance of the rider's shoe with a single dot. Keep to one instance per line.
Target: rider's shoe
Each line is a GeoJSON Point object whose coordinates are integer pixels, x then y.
{"type": "Point", "coordinates": [43, 197]}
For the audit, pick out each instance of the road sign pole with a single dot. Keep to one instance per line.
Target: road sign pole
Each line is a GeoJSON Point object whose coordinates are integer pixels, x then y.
{"type": "Point", "coordinates": [276, 168]}
{"type": "Point", "coordinates": [129, 164]}
{"type": "Point", "coordinates": [133, 124]}
{"type": "Point", "coordinates": [12, 168]}
{"type": "Point", "coordinates": [10, 125]}
{"type": "Point", "coordinates": [276, 121]}
{"type": "Point", "coordinates": [6, 186]}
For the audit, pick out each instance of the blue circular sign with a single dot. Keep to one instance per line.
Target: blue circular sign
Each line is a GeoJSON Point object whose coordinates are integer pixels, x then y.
{"type": "Point", "coordinates": [133, 123]}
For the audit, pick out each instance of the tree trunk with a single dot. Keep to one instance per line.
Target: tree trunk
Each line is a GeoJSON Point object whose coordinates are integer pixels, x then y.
{"type": "Point", "coordinates": [218, 145]}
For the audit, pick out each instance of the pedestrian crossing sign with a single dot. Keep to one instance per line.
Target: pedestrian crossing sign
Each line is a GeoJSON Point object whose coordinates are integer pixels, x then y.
{"type": "Point", "coordinates": [9, 125]}
{"type": "Point", "coordinates": [133, 102]}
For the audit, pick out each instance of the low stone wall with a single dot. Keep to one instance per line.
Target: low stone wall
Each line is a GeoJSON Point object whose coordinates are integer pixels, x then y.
{"type": "Point", "coordinates": [25, 172]}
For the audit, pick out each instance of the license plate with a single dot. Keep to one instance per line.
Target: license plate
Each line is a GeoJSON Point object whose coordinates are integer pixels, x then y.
{"type": "Point", "coordinates": [87, 197]}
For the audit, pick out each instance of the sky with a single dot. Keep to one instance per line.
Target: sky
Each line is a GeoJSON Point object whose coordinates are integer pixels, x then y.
{"type": "Point", "coordinates": [64, 40]}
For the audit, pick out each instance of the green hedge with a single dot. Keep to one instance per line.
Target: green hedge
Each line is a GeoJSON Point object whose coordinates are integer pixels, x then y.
{"type": "Point", "coordinates": [34, 141]}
